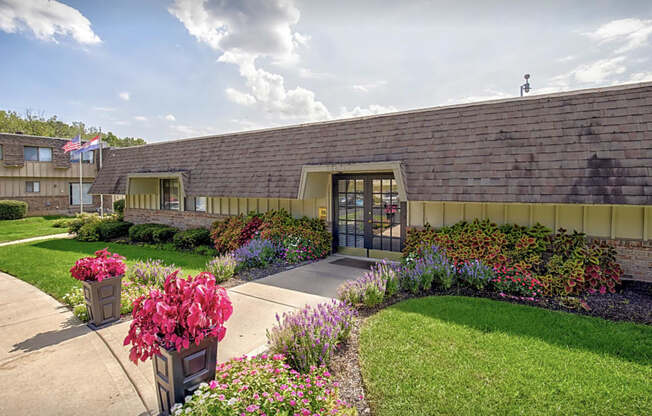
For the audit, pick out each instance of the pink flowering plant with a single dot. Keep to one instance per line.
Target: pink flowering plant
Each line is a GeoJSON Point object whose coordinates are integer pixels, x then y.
{"type": "Point", "coordinates": [515, 281]}
{"type": "Point", "coordinates": [265, 385]}
{"type": "Point", "coordinates": [185, 311]}
{"type": "Point", "coordinates": [95, 269]}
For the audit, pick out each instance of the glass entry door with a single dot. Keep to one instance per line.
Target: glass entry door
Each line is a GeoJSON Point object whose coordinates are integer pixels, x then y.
{"type": "Point", "coordinates": [368, 212]}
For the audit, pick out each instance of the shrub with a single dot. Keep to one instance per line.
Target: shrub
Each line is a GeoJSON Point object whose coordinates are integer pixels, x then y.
{"type": "Point", "coordinates": [103, 266]}
{"type": "Point", "coordinates": [187, 310]}
{"type": "Point", "coordinates": [475, 274]}
{"type": "Point", "coordinates": [12, 210]}
{"type": "Point", "coordinates": [80, 220]}
{"type": "Point", "coordinates": [310, 238]}
{"type": "Point", "coordinates": [310, 336]}
{"type": "Point", "coordinates": [108, 230]}
{"type": "Point", "coordinates": [226, 233]}
{"type": "Point", "coordinates": [565, 263]}
{"type": "Point", "coordinates": [62, 222]}
{"type": "Point", "coordinates": [89, 232]}
{"type": "Point", "coordinates": [150, 272]}
{"type": "Point", "coordinates": [222, 267]}
{"type": "Point", "coordinates": [256, 253]}
{"type": "Point", "coordinates": [189, 239]}
{"type": "Point", "coordinates": [265, 385]}
{"type": "Point", "coordinates": [119, 207]}
{"type": "Point", "coordinates": [152, 233]}
{"type": "Point", "coordinates": [515, 281]}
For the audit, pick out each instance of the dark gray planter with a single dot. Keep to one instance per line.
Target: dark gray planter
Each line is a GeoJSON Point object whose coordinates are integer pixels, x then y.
{"type": "Point", "coordinates": [178, 374]}
{"type": "Point", "coordinates": [103, 301]}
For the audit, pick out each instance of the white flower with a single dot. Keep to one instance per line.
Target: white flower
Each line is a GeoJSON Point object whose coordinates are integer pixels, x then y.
{"type": "Point", "coordinates": [232, 401]}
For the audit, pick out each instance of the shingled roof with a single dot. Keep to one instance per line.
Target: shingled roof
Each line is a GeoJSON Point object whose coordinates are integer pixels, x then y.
{"type": "Point", "coordinates": [13, 153]}
{"type": "Point", "coordinates": [588, 147]}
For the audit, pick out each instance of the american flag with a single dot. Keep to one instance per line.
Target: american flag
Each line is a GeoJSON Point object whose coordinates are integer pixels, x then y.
{"type": "Point", "coordinates": [73, 144]}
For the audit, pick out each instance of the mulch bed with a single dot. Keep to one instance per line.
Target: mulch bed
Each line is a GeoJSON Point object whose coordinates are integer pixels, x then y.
{"type": "Point", "coordinates": [632, 303]}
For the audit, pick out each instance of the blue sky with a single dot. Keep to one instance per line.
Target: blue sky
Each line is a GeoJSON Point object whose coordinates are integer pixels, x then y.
{"type": "Point", "coordinates": [170, 69]}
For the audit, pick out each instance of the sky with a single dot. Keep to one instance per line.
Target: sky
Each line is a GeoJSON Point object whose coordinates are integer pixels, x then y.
{"type": "Point", "coordinates": [171, 69]}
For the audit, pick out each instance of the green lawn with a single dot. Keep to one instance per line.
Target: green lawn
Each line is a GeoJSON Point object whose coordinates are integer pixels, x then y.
{"type": "Point", "coordinates": [11, 230]}
{"type": "Point", "coordinates": [468, 356]}
{"type": "Point", "coordinates": [46, 264]}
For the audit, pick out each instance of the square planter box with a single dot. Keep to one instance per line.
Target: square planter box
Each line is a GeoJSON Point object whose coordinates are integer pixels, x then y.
{"type": "Point", "coordinates": [103, 300]}
{"type": "Point", "coordinates": [178, 374]}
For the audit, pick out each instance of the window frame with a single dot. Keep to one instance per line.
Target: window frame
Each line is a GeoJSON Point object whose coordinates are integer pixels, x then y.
{"type": "Point", "coordinates": [74, 194]}
{"type": "Point", "coordinates": [166, 202]}
{"type": "Point", "coordinates": [34, 185]}
{"type": "Point", "coordinates": [84, 159]}
{"type": "Point", "coordinates": [1, 153]}
{"type": "Point", "coordinates": [191, 203]}
{"type": "Point", "coordinates": [38, 154]}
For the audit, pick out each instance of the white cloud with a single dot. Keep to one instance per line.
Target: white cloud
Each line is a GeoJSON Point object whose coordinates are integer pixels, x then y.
{"type": "Point", "coordinates": [46, 19]}
{"type": "Point", "coordinates": [640, 77]}
{"type": "Point", "coordinates": [105, 109]}
{"type": "Point", "coordinates": [369, 86]}
{"type": "Point", "coordinates": [631, 33]}
{"type": "Point", "coordinates": [123, 123]}
{"type": "Point", "coordinates": [566, 58]}
{"type": "Point", "coordinates": [372, 109]}
{"type": "Point", "coordinates": [240, 97]}
{"type": "Point", "coordinates": [186, 130]}
{"type": "Point", "coordinates": [244, 32]}
{"type": "Point", "coordinates": [591, 73]}
{"type": "Point", "coordinates": [124, 95]}
{"type": "Point", "coordinates": [170, 117]}
{"type": "Point", "coordinates": [140, 118]}
{"type": "Point", "coordinates": [310, 74]}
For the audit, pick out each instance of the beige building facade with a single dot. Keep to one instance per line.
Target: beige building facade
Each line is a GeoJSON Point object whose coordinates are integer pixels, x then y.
{"type": "Point", "coordinates": [36, 170]}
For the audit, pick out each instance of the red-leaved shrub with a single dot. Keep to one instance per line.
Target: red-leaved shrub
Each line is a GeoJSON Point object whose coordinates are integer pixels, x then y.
{"type": "Point", "coordinates": [103, 266]}
{"type": "Point", "coordinates": [187, 310]}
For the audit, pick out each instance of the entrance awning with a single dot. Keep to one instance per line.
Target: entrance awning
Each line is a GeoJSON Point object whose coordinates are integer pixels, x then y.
{"type": "Point", "coordinates": [315, 178]}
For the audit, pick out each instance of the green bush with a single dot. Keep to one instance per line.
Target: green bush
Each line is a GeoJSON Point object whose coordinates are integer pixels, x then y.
{"type": "Point", "coordinates": [62, 222]}
{"type": "Point", "coordinates": [119, 207]}
{"type": "Point", "coordinates": [12, 210]}
{"type": "Point", "coordinates": [89, 231]}
{"type": "Point", "coordinates": [80, 220]}
{"type": "Point", "coordinates": [205, 251]}
{"type": "Point", "coordinates": [109, 230]}
{"type": "Point", "coordinates": [152, 233]}
{"type": "Point", "coordinates": [189, 239]}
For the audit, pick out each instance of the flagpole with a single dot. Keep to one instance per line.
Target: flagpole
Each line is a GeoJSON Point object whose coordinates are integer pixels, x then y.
{"type": "Point", "coordinates": [81, 182]}
{"type": "Point", "coordinates": [101, 195]}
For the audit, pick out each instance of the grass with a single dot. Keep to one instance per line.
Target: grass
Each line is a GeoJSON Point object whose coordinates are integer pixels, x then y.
{"type": "Point", "coordinates": [46, 264]}
{"type": "Point", "coordinates": [12, 230]}
{"type": "Point", "coordinates": [468, 356]}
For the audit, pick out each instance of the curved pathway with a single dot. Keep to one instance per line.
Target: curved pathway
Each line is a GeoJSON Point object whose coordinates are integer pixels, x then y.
{"type": "Point", "coordinates": [52, 364]}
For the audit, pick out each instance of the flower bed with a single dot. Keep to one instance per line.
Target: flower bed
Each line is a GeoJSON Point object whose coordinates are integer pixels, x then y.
{"type": "Point", "coordinates": [265, 385]}
{"type": "Point", "coordinates": [564, 264]}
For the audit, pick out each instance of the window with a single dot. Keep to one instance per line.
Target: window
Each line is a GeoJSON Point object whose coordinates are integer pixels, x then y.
{"type": "Point", "coordinates": [74, 194]}
{"type": "Point", "coordinates": [170, 194]}
{"type": "Point", "coordinates": [32, 187]}
{"type": "Point", "coordinates": [86, 157]}
{"type": "Point", "coordinates": [0, 152]}
{"type": "Point", "coordinates": [196, 204]}
{"type": "Point", "coordinates": [38, 154]}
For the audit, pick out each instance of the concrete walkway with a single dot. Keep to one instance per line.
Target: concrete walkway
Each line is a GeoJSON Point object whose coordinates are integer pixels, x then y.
{"type": "Point", "coordinates": [51, 364]}
{"type": "Point", "coordinates": [42, 237]}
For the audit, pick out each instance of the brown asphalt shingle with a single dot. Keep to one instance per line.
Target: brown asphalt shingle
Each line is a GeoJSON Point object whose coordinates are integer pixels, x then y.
{"type": "Point", "coordinates": [592, 147]}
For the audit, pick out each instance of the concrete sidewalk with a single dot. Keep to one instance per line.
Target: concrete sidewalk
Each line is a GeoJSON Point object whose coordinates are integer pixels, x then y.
{"type": "Point", "coordinates": [52, 364]}
{"type": "Point", "coordinates": [42, 237]}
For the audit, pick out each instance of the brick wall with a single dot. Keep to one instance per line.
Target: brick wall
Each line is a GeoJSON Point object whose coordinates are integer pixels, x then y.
{"type": "Point", "coordinates": [635, 256]}
{"type": "Point", "coordinates": [60, 205]}
{"type": "Point", "coordinates": [180, 219]}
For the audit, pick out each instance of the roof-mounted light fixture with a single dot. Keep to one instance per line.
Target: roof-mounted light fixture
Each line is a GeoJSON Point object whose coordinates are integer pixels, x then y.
{"type": "Point", "coordinates": [526, 87]}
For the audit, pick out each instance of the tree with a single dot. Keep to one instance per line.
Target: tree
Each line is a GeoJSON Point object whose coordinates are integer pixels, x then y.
{"type": "Point", "coordinates": [37, 125]}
